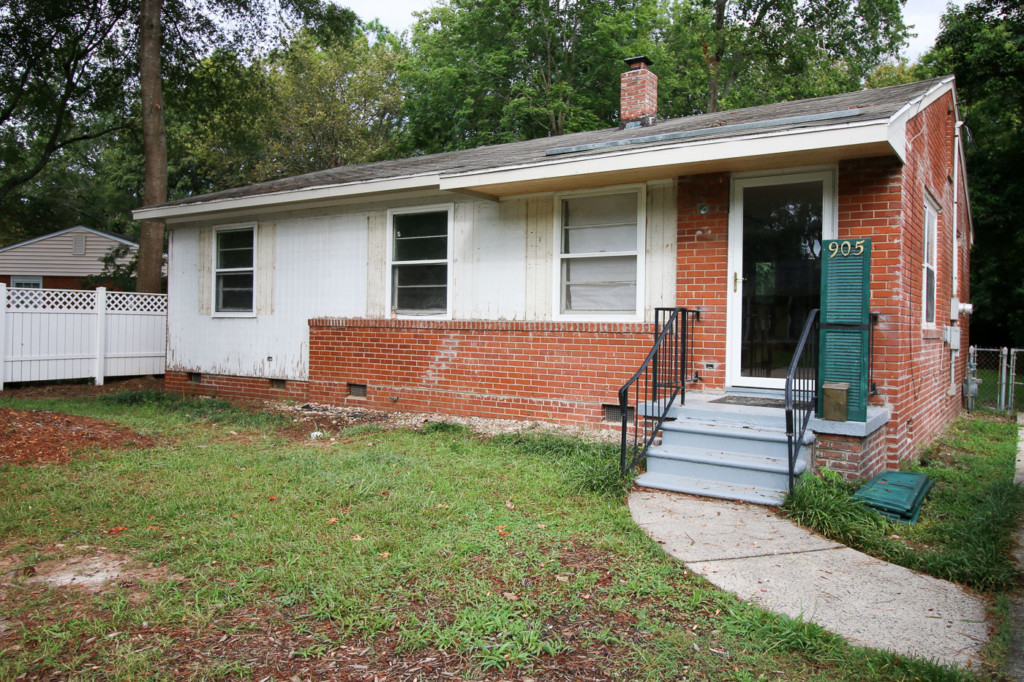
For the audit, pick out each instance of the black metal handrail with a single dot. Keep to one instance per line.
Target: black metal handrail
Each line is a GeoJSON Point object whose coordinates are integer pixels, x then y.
{"type": "Point", "coordinates": [661, 379]}
{"type": "Point", "coordinates": [801, 390]}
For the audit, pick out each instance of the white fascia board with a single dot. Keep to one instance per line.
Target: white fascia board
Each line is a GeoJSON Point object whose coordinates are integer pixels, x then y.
{"type": "Point", "coordinates": [288, 197]}
{"type": "Point", "coordinates": [898, 121]}
{"type": "Point", "coordinates": [782, 142]}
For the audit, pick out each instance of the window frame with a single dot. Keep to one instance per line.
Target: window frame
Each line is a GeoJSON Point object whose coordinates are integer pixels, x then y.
{"type": "Point", "coordinates": [26, 281]}
{"type": "Point", "coordinates": [639, 310]}
{"type": "Point", "coordinates": [930, 262]}
{"type": "Point", "coordinates": [215, 271]}
{"type": "Point", "coordinates": [448, 261]}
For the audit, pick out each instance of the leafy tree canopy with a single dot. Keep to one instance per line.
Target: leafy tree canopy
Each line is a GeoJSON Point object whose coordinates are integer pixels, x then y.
{"type": "Point", "coordinates": [983, 45]}
{"type": "Point", "coordinates": [739, 53]}
{"type": "Point", "coordinates": [491, 71]}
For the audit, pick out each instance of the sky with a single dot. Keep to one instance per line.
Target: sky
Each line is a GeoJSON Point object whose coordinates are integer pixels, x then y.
{"type": "Point", "coordinates": [397, 15]}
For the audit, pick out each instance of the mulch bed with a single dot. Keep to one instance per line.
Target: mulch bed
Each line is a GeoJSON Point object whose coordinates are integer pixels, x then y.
{"type": "Point", "coordinates": [29, 437]}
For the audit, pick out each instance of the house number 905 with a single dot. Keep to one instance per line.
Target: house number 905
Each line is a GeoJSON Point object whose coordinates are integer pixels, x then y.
{"type": "Point", "coordinates": [845, 248]}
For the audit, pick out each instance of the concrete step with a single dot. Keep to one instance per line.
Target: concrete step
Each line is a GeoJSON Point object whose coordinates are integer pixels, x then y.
{"type": "Point", "coordinates": [723, 467]}
{"type": "Point", "coordinates": [725, 491]}
{"type": "Point", "coordinates": [762, 441]}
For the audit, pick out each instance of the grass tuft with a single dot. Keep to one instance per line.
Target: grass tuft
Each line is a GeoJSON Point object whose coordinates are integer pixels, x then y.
{"type": "Point", "coordinates": [967, 521]}
{"type": "Point", "coordinates": [586, 466]}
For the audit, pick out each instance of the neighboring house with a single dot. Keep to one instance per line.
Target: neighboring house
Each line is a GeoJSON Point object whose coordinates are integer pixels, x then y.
{"type": "Point", "coordinates": [520, 280]}
{"type": "Point", "coordinates": [59, 260]}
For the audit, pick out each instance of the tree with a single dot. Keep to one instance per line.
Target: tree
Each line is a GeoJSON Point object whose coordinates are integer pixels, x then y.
{"type": "Point", "coordinates": [983, 45]}
{"type": "Point", "coordinates": [332, 105]}
{"type": "Point", "coordinates": [154, 143]}
{"type": "Point", "coordinates": [490, 71]}
{"type": "Point", "coordinates": [191, 21]}
{"type": "Point", "coordinates": [62, 78]}
{"type": "Point", "coordinates": [737, 53]}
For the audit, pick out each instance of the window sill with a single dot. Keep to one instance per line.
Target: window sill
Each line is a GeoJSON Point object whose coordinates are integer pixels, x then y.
{"type": "Point", "coordinates": [931, 334]}
{"type": "Point", "coordinates": [233, 315]}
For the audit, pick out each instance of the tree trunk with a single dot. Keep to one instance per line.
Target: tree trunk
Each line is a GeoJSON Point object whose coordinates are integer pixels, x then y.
{"type": "Point", "coordinates": [715, 60]}
{"type": "Point", "coordinates": [154, 141]}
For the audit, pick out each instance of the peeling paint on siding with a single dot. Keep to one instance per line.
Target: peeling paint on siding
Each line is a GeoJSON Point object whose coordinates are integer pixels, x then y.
{"type": "Point", "coordinates": [204, 272]}
{"type": "Point", "coordinates": [376, 256]}
{"type": "Point", "coordinates": [539, 237]}
{"type": "Point", "coordinates": [266, 246]}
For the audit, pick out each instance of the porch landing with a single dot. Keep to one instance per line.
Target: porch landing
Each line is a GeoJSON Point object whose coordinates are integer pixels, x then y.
{"type": "Point", "coordinates": [719, 448]}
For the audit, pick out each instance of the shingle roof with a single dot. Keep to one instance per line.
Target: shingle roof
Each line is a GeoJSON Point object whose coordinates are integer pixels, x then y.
{"type": "Point", "coordinates": [853, 107]}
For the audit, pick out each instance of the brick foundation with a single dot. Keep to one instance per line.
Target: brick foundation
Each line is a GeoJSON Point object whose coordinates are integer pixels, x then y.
{"type": "Point", "coordinates": [241, 388]}
{"type": "Point", "coordinates": [561, 372]}
{"type": "Point", "coordinates": [853, 457]}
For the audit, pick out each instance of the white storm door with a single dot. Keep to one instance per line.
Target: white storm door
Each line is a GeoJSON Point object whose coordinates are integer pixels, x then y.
{"type": "Point", "coordinates": [776, 226]}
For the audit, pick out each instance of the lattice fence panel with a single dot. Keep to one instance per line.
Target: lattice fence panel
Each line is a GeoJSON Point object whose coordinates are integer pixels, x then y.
{"type": "Point", "coordinates": [55, 300]}
{"type": "Point", "coordinates": [130, 302]}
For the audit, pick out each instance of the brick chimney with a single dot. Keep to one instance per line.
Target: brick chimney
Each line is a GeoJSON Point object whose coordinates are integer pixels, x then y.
{"type": "Point", "coordinates": [639, 94]}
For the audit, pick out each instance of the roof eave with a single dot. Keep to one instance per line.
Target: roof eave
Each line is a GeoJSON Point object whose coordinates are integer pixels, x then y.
{"type": "Point", "coordinates": [873, 137]}
{"type": "Point", "coordinates": [286, 198]}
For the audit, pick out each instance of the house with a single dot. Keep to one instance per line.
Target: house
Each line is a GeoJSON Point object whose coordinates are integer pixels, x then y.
{"type": "Point", "coordinates": [58, 260]}
{"type": "Point", "coordinates": [521, 280]}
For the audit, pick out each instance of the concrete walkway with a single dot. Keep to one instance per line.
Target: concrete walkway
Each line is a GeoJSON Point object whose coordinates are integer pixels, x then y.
{"type": "Point", "coordinates": [772, 562]}
{"type": "Point", "coordinates": [1015, 656]}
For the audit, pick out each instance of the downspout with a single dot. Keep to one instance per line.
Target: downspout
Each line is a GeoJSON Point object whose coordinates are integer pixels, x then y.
{"type": "Point", "coordinates": [954, 354]}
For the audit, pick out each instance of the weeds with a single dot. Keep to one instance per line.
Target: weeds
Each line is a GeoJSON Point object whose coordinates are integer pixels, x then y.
{"type": "Point", "coordinates": [966, 522]}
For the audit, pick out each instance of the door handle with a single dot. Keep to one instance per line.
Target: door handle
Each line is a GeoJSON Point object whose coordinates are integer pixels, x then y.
{"type": "Point", "coordinates": [736, 279]}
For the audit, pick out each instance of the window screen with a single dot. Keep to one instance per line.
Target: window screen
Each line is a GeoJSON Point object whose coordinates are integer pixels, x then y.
{"type": "Point", "coordinates": [599, 254]}
{"type": "Point", "coordinates": [419, 263]}
{"type": "Point", "coordinates": [235, 269]}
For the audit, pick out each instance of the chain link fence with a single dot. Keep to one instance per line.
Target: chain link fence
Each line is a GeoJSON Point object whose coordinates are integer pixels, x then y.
{"type": "Point", "coordinates": [995, 379]}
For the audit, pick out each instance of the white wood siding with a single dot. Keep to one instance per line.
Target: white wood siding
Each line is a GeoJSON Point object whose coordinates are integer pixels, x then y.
{"type": "Point", "coordinates": [661, 256]}
{"type": "Point", "coordinates": [333, 263]}
{"type": "Point", "coordinates": [52, 256]}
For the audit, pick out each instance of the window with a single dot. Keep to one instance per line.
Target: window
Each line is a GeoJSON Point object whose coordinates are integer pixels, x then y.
{"type": "Point", "coordinates": [234, 271]}
{"type": "Point", "coordinates": [931, 222]}
{"type": "Point", "coordinates": [26, 282]}
{"type": "Point", "coordinates": [599, 239]}
{"type": "Point", "coordinates": [419, 262]}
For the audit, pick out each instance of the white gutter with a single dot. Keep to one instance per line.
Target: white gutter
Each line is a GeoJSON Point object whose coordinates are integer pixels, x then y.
{"type": "Point", "coordinates": [349, 189]}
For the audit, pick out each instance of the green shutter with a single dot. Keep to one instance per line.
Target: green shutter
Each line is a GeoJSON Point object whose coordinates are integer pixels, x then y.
{"type": "Point", "coordinates": [845, 321]}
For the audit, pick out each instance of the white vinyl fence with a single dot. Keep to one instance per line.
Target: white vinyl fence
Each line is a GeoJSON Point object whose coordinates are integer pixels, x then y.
{"type": "Point", "coordinates": [51, 334]}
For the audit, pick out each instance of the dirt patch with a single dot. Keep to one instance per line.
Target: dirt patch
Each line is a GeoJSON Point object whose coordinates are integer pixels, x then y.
{"type": "Point", "coordinates": [91, 569]}
{"type": "Point", "coordinates": [33, 437]}
{"type": "Point", "coordinates": [83, 388]}
{"type": "Point", "coordinates": [316, 422]}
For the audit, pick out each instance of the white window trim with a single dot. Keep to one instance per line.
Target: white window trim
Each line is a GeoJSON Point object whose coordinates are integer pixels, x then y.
{"type": "Point", "coordinates": [930, 207]}
{"type": "Point", "coordinates": [449, 260]}
{"type": "Point", "coordinates": [236, 227]}
{"type": "Point", "coordinates": [26, 281]}
{"type": "Point", "coordinates": [641, 252]}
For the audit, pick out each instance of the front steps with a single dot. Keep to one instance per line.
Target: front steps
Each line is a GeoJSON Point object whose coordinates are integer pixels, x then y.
{"type": "Point", "coordinates": [733, 452]}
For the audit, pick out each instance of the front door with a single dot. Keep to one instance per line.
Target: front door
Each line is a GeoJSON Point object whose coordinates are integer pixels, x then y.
{"type": "Point", "coordinates": [776, 226]}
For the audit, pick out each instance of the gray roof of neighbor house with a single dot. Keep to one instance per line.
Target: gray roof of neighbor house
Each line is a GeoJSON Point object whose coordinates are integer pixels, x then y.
{"type": "Point", "coordinates": [124, 239]}
{"type": "Point", "coordinates": [847, 108]}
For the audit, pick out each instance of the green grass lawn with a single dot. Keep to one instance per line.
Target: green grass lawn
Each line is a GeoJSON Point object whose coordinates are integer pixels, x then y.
{"type": "Point", "coordinates": [389, 553]}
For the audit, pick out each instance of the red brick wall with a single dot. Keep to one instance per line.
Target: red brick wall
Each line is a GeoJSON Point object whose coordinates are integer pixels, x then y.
{"type": "Point", "coordinates": [51, 282]}
{"type": "Point", "coordinates": [551, 371]}
{"type": "Point", "coordinates": [702, 267]}
{"type": "Point", "coordinates": [881, 199]}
